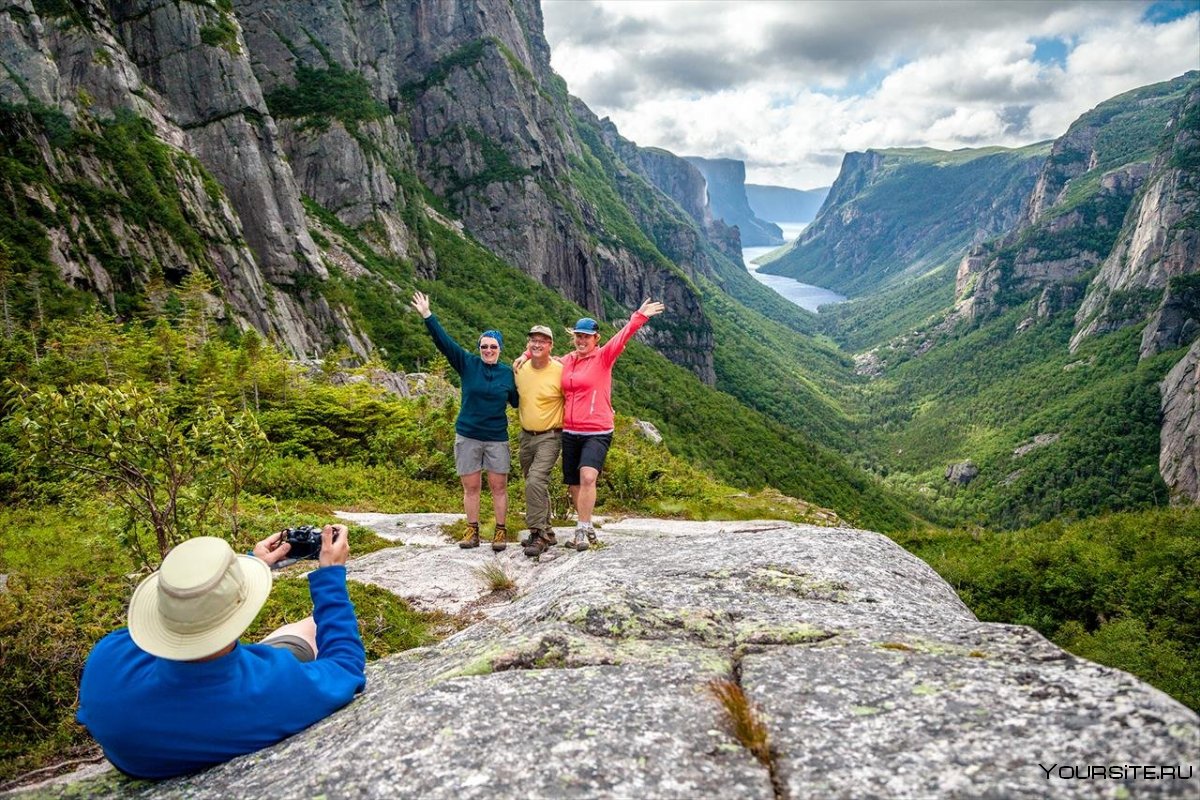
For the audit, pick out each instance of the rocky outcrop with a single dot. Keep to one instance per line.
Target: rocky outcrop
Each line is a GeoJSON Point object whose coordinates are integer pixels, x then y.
{"type": "Point", "coordinates": [868, 234]}
{"type": "Point", "coordinates": [726, 184]}
{"type": "Point", "coordinates": [962, 473]}
{"type": "Point", "coordinates": [1179, 442]}
{"type": "Point", "coordinates": [1160, 241]}
{"type": "Point", "coordinates": [870, 675]}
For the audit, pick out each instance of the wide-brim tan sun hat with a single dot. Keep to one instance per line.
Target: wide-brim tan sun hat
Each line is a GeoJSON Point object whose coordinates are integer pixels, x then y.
{"type": "Point", "coordinates": [202, 598]}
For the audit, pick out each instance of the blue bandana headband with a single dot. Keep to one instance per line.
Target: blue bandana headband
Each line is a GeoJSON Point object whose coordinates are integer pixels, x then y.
{"type": "Point", "coordinates": [492, 334]}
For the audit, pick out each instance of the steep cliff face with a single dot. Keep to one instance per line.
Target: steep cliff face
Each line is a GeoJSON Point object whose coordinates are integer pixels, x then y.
{"type": "Point", "coordinates": [121, 195]}
{"type": "Point", "coordinates": [462, 96]}
{"type": "Point", "coordinates": [267, 106]}
{"type": "Point", "coordinates": [1075, 217]}
{"type": "Point", "coordinates": [870, 234]}
{"type": "Point", "coordinates": [675, 177]}
{"type": "Point", "coordinates": [726, 179]}
{"type": "Point", "coordinates": [1179, 452]}
{"type": "Point", "coordinates": [1159, 245]}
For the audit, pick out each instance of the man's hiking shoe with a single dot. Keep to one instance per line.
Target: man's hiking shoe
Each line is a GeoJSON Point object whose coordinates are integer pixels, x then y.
{"type": "Point", "coordinates": [547, 535]}
{"type": "Point", "coordinates": [591, 534]}
{"type": "Point", "coordinates": [581, 542]}
{"type": "Point", "coordinates": [500, 539]}
{"type": "Point", "coordinates": [536, 544]}
{"type": "Point", "coordinates": [472, 537]}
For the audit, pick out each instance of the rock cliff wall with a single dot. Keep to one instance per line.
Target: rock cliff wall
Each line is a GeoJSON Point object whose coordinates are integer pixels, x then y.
{"type": "Point", "coordinates": [1179, 444]}
{"type": "Point", "coordinates": [1159, 242]}
{"type": "Point", "coordinates": [1100, 200]}
{"type": "Point", "coordinates": [726, 180]}
{"type": "Point", "coordinates": [132, 85]}
{"type": "Point", "coordinates": [353, 106]}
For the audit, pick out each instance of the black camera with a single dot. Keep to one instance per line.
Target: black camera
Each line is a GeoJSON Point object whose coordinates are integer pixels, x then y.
{"type": "Point", "coordinates": [305, 541]}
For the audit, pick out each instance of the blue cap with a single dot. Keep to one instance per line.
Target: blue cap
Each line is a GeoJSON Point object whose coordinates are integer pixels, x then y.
{"type": "Point", "coordinates": [492, 334]}
{"type": "Point", "coordinates": [586, 325]}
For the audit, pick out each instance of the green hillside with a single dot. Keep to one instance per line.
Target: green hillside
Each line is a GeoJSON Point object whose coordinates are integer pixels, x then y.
{"type": "Point", "coordinates": [987, 391]}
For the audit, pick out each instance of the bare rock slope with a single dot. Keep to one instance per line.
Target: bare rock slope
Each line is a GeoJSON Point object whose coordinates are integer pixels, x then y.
{"type": "Point", "coordinates": [872, 677]}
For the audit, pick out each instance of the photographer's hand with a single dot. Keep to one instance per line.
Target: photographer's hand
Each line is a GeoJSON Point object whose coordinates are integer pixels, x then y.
{"type": "Point", "coordinates": [334, 552]}
{"type": "Point", "coordinates": [272, 549]}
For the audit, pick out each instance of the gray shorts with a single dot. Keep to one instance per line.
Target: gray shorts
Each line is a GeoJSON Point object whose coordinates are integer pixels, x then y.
{"type": "Point", "coordinates": [295, 645]}
{"type": "Point", "coordinates": [472, 455]}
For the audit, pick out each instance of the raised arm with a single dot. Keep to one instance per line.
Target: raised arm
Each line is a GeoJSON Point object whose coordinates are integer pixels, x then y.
{"type": "Point", "coordinates": [616, 345]}
{"type": "Point", "coordinates": [454, 353]}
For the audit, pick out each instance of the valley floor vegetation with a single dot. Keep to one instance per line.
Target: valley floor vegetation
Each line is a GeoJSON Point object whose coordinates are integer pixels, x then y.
{"type": "Point", "coordinates": [120, 440]}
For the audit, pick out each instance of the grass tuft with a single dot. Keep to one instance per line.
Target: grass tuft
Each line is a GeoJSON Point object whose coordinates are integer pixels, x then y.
{"type": "Point", "coordinates": [494, 576]}
{"type": "Point", "coordinates": [743, 718]}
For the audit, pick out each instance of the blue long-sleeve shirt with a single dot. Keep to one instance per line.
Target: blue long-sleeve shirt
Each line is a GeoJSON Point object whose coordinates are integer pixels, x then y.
{"type": "Point", "coordinates": [156, 718]}
{"type": "Point", "coordinates": [486, 389]}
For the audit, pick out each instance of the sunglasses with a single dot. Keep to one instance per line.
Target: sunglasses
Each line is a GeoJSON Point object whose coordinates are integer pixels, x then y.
{"type": "Point", "coordinates": [489, 347]}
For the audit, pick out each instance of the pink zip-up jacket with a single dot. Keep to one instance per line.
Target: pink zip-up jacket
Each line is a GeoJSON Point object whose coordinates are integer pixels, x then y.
{"type": "Point", "coordinates": [587, 382]}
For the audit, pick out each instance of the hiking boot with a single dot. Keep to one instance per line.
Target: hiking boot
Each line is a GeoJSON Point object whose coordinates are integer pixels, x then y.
{"type": "Point", "coordinates": [472, 537]}
{"type": "Point", "coordinates": [581, 542]}
{"type": "Point", "coordinates": [546, 534]}
{"type": "Point", "coordinates": [536, 544]}
{"type": "Point", "coordinates": [500, 539]}
{"type": "Point", "coordinates": [591, 534]}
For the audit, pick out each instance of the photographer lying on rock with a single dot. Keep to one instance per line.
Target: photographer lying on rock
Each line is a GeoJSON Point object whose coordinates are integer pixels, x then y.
{"type": "Point", "coordinates": [176, 692]}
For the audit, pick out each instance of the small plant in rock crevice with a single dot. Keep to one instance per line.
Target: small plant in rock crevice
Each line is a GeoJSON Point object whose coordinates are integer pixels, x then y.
{"type": "Point", "coordinates": [743, 719]}
{"type": "Point", "coordinates": [495, 577]}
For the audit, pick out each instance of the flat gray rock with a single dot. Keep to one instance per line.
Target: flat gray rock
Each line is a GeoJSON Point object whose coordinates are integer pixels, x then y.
{"type": "Point", "coordinates": [871, 676]}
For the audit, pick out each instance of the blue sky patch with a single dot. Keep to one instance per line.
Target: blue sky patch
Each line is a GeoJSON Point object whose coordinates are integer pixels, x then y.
{"type": "Point", "coordinates": [1050, 50]}
{"type": "Point", "coordinates": [1170, 10]}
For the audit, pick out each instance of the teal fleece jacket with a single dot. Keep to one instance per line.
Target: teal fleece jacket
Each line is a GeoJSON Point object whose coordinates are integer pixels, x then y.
{"type": "Point", "coordinates": [486, 388]}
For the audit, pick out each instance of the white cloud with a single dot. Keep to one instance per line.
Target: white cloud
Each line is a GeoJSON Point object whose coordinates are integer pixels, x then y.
{"type": "Point", "coordinates": [791, 86]}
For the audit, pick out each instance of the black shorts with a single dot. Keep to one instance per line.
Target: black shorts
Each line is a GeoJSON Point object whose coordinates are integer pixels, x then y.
{"type": "Point", "coordinates": [583, 450]}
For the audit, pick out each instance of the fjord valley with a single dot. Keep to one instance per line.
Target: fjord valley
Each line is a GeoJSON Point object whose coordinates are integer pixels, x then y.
{"type": "Point", "coordinates": [214, 214]}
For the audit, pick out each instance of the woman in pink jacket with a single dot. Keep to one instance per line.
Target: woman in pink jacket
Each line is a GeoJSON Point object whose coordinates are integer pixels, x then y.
{"type": "Point", "coordinates": [588, 414]}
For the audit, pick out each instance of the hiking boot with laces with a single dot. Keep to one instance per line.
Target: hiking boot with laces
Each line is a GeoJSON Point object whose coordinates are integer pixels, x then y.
{"type": "Point", "coordinates": [581, 542]}
{"type": "Point", "coordinates": [536, 544]}
{"type": "Point", "coordinates": [591, 534]}
{"type": "Point", "coordinates": [500, 539]}
{"type": "Point", "coordinates": [472, 537]}
{"type": "Point", "coordinates": [548, 535]}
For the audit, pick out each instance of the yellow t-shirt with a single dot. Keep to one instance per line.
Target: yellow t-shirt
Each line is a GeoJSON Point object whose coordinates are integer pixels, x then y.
{"type": "Point", "coordinates": [541, 404]}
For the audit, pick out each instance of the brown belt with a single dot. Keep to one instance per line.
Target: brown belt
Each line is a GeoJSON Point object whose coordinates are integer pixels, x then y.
{"type": "Point", "coordinates": [539, 433]}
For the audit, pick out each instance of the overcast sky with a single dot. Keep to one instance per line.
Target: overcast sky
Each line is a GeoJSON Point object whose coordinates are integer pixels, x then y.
{"type": "Point", "coordinates": [790, 86]}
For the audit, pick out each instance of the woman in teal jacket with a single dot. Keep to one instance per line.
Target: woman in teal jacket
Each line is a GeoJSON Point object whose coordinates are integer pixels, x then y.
{"type": "Point", "coordinates": [481, 430]}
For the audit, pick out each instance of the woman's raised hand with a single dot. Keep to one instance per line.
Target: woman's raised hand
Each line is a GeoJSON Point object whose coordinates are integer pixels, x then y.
{"type": "Point", "coordinates": [651, 308]}
{"type": "Point", "coordinates": [420, 302]}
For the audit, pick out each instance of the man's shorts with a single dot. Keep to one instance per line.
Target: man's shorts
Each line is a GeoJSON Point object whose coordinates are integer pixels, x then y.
{"type": "Point", "coordinates": [295, 645]}
{"type": "Point", "coordinates": [472, 455]}
{"type": "Point", "coordinates": [583, 450]}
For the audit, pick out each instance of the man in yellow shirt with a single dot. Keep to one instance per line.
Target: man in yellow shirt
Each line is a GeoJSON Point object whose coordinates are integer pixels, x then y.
{"type": "Point", "coordinates": [539, 384]}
